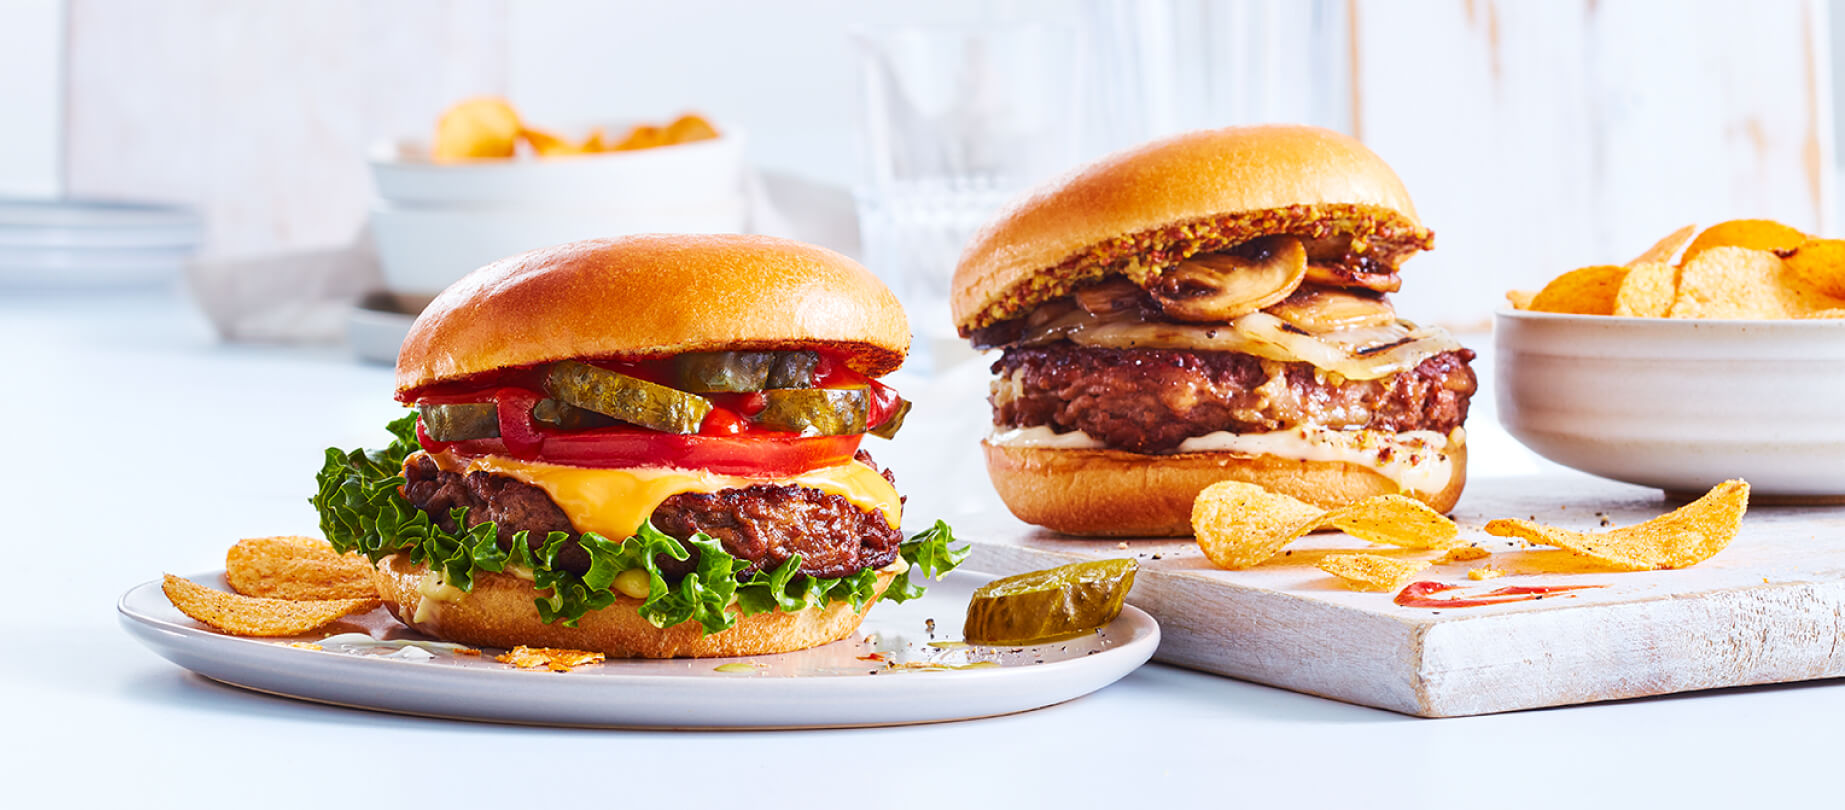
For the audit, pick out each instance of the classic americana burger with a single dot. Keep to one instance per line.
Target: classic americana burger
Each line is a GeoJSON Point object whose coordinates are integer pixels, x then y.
{"type": "Point", "coordinates": [646, 446]}
{"type": "Point", "coordinates": [1208, 307]}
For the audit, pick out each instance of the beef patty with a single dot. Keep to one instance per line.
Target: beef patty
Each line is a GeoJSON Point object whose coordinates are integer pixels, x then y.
{"type": "Point", "coordinates": [764, 524]}
{"type": "Point", "coordinates": [1150, 400]}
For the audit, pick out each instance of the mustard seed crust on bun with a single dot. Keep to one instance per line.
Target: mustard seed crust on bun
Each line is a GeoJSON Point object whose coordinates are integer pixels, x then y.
{"type": "Point", "coordinates": [1206, 307]}
{"type": "Point", "coordinates": [655, 295]}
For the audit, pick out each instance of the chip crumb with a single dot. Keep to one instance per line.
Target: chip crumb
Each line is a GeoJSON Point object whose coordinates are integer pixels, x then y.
{"type": "Point", "coordinates": [309, 645]}
{"type": "Point", "coordinates": [467, 651]}
{"type": "Point", "coordinates": [1122, 546]}
{"type": "Point", "coordinates": [1463, 554]}
{"type": "Point", "coordinates": [1485, 572]}
{"type": "Point", "coordinates": [557, 660]}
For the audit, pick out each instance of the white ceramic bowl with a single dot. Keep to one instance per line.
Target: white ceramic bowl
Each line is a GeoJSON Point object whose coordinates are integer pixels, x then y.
{"type": "Point", "coordinates": [677, 175]}
{"type": "Point", "coordinates": [1679, 404]}
{"type": "Point", "coordinates": [422, 250]}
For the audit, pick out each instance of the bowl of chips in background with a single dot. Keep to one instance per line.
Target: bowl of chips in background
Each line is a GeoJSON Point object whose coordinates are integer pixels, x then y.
{"type": "Point", "coordinates": [489, 184]}
{"type": "Point", "coordinates": [1726, 363]}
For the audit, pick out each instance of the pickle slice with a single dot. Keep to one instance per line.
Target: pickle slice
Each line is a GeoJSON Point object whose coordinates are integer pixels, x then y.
{"type": "Point", "coordinates": [564, 416]}
{"type": "Point", "coordinates": [793, 370]}
{"type": "Point", "coordinates": [1050, 605]}
{"type": "Point", "coordinates": [815, 411]}
{"type": "Point", "coordinates": [889, 427]}
{"type": "Point", "coordinates": [629, 399]}
{"type": "Point", "coordinates": [708, 372]}
{"type": "Point", "coordinates": [461, 422]}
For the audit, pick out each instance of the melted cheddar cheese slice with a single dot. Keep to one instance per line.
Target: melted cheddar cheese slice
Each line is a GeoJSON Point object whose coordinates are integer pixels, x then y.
{"type": "Point", "coordinates": [614, 502]}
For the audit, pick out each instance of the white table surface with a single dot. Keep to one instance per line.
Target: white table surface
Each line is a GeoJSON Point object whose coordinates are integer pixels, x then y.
{"type": "Point", "coordinates": [140, 444]}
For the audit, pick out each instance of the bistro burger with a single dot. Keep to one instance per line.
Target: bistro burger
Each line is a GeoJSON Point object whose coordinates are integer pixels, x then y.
{"type": "Point", "coordinates": [1212, 306]}
{"type": "Point", "coordinates": [644, 446]}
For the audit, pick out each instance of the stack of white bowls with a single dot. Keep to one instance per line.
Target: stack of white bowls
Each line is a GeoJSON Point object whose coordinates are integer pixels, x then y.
{"type": "Point", "coordinates": [435, 222]}
{"type": "Point", "coordinates": [67, 244]}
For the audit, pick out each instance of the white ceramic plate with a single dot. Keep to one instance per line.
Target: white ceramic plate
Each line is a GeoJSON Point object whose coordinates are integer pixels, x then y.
{"type": "Point", "coordinates": [835, 685]}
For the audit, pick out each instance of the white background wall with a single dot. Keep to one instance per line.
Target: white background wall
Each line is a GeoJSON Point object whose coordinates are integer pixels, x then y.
{"type": "Point", "coordinates": [1535, 136]}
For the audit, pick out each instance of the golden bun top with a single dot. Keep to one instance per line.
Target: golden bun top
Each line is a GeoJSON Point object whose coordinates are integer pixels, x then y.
{"type": "Point", "coordinates": [655, 295]}
{"type": "Point", "coordinates": [1189, 178]}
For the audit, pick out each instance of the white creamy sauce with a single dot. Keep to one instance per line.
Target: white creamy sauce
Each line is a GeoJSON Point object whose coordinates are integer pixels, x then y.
{"type": "Point", "coordinates": [1415, 460]}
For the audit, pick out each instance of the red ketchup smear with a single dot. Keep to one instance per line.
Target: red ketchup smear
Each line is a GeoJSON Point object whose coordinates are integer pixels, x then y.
{"type": "Point", "coordinates": [1421, 594]}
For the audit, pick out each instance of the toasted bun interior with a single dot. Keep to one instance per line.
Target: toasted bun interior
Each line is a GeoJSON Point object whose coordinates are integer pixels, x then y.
{"type": "Point", "coordinates": [1114, 493]}
{"type": "Point", "coordinates": [654, 295]}
{"type": "Point", "coordinates": [499, 612]}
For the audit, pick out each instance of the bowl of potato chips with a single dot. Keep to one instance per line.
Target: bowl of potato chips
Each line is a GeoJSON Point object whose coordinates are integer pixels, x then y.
{"type": "Point", "coordinates": [489, 183]}
{"type": "Point", "coordinates": [1690, 365]}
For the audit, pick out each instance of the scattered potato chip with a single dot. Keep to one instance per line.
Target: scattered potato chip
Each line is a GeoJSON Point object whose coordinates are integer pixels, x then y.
{"type": "Point", "coordinates": [1820, 263]}
{"type": "Point", "coordinates": [296, 568]}
{"type": "Point", "coordinates": [253, 616]}
{"type": "Point", "coordinates": [1647, 291]}
{"type": "Point", "coordinates": [1585, 291]}
{"type": "Point", "coordinates": [549, 658]}
{"type": "Point", "coordinates": [1240, 525]}
{"type": "Point", "coordinates": [1754, 234]}
{"type": "Point", "coordinates": [1464, 554]}
{"type": "Point", "coordinates": [596, 142]}
{"type": "Point", "coordinates": [1682, 538]}
{"type": "Point", "coordinates": [1520, 299]}
{"type": "Point", "coordinates": [1663, 250]}
{"type": "Point", "coordinates": [1485, 572]}
{"type": "Point", "coordinates": [1732, 282]}
{"type": "Point", "coordinates": [1370, 572]}
{"type": "Point", "coordinates": [303, 645]}
{"type": "Point", "coordinates": [688, 128]}
{"type": "Point", "coordinates": [484, 127]}
{"type": "Point", "coordinates": [1396, 520]}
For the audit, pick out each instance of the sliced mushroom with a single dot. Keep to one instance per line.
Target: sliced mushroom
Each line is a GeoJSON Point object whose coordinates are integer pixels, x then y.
{"type": "Point", "coordinates": [1220, 286]}
{"type": "Point", "coordinates": [1320, 309]}
{"type": "Point", "coordinates": [1337, 275]}
{"type": "Point", "coordinates": [1111, 295]}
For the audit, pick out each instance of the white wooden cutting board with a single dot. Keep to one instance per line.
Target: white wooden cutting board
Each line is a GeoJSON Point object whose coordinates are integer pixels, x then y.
{"type": "Point", "coordinates": [1769, 609]}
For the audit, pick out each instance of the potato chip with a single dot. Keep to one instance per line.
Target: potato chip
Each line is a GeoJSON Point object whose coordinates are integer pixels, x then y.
{"type": "Point", "coordinates": [1682, 538]}
{"type": "Point", "coordinates": [1662, 251]}
{"type": "Point", "coordinates": [1520, 299]}
{"type": "Point", "coordinates": [549, 144]}
{"type": "Point", "coordinates": [1464, 554]}
{"type": "Point", "coordinates": [296, 568]}
{"type": "Point", "coordinates": [1395, 520]}
{"type": "Point", "coordinates": [688, 128]}
{"type": "Point", "coordinates": [550, 658]}
{"type": "Point", "coordinates": [1485, 572]}
{"type": "Point", "coordinates": [1240, 525]}
{"type": "Point", "coordinates": [642, 136]}
{"type": "Point", "coordinates": [1370, 572]}
{"type": "Point", "coordinates": [1647, 291]}
{"type": "Point", "coordinates": [1755, 234]}
{"type": "Point", "coordinates": [483, 127]}
{"type": "Point", "coordinates": [1586, 291]}
{"type": "Point", "coordinates": [1732, 282]}
{"type": "Point", "coordinates": [253, 616]}
{"type": "Point", "coordinates": [1820, 263]}
{"type": "Point", "coordinates": [596, 142]}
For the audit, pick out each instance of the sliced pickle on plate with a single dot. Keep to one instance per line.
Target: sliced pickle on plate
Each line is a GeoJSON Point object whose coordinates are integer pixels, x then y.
{"type": "Point", "coordinates": [793, 370]}
{"type": "Point", "coordinates": [1319, 309]}
{"type": "Point", "coordinates": [732, 372]}
{"type": "Point", "coordinates": [1050, 605]}
{"type": "Point", "coordinates": [1222, 286]}
{"type": "Point", "coordinates": [564, 416]}
{"type": "Point", "coordinates": [461, 422]}
{"type": "Point", "coordinates": [815, 411]}
{"type": "Point", "coordinates": [889, 427]}
{"type": "Point", "coordinates": [629, 399]}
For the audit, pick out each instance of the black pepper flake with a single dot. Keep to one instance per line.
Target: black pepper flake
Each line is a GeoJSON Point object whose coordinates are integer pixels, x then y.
{"type": "Point", "coordinates": [1156, 556]}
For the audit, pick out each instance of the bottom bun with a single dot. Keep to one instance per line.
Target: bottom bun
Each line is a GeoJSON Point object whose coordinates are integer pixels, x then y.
{"type": "Point", "coordinates": [499, 612]}
{"type": "Point", "coordinates": [1115, 493]}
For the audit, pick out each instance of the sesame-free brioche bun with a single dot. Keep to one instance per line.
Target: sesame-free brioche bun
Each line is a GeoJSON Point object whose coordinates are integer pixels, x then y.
{"type": "Point", "coordinates": [1190, 178]}
{"type": "Point", "coordinates": [498, 612]}
{"type": "Point", "coordinates": [1115, 493]}
{"type": "Point", "coordinates": [654, 295]}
